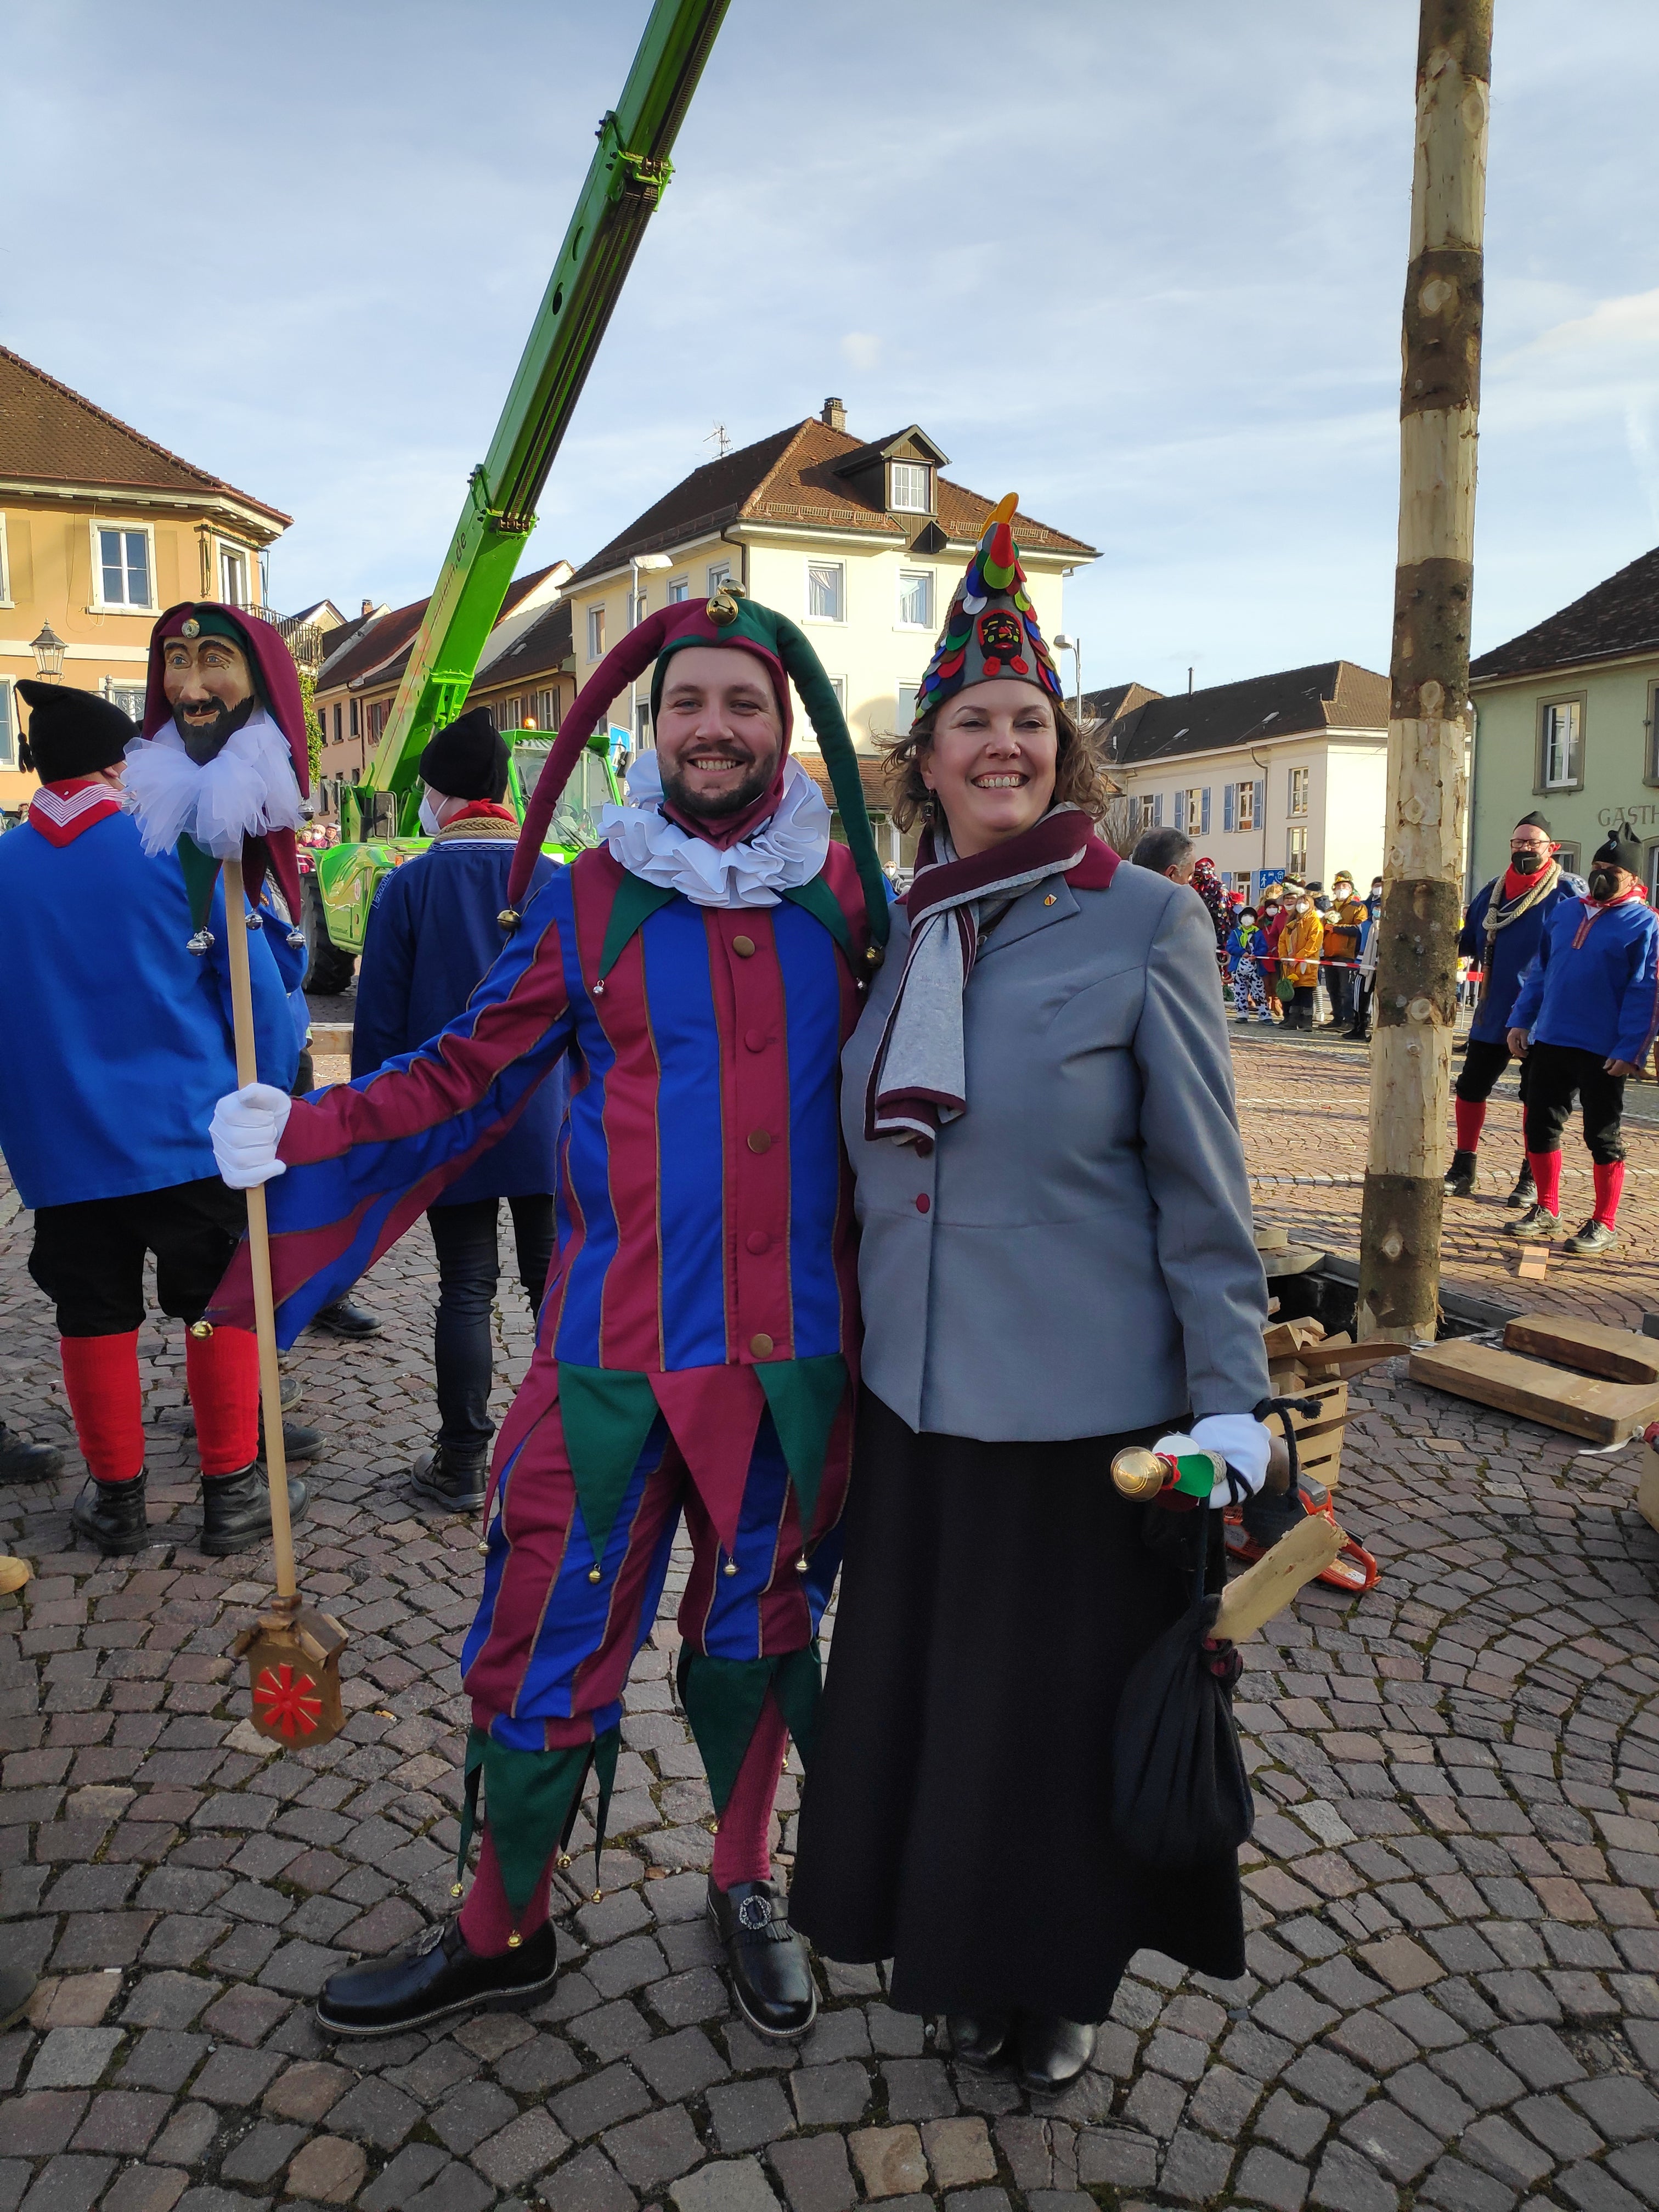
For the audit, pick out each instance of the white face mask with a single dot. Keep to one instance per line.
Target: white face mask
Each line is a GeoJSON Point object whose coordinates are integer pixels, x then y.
{"type": "Point", "coordinates": [429, 819]}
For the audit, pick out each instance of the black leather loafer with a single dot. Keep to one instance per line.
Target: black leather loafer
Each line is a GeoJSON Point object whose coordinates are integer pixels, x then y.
{"type": "Point", "coordinates": [977, 2038]}
{"type": "Point", "coordinates": [344, 1318]}
{"type": "Point", "coordinates": [1053, 2051]}
{"type": "Point", "coordinates": [432, 1977]}
{"type": "Point", "coordinates": [770, 1976]}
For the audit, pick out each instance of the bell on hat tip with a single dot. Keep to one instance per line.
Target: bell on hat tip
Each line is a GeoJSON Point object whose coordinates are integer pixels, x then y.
{"type": "Point", "coordinates": [515, 1940]}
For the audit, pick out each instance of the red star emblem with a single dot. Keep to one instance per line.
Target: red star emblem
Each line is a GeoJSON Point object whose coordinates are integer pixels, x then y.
{"type": "Point", "coordinates": [286, 1703]}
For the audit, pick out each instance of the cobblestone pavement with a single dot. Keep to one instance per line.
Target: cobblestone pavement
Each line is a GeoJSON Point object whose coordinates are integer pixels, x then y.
{"type": "Point", "coordinates": [1453, 1998]}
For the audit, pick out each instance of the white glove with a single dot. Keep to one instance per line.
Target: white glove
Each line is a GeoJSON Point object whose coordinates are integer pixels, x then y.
{"type": "Point", "coordinates": [246, 1129]}
{"type": "Point", "coordinates": [1243, 1442]}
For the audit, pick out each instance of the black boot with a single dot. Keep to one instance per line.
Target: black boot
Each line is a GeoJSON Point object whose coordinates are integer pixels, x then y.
{"type": "Point", "coordinates": [1053, 2051]}
{"type": "Point", "coordinates": [26, 1462]}
{"type": "Point", "coordinates": [771, 1977]}
{"type": "Point", "coordinates": [1460, 1176]}
{"type": "Point", "coordinates": [456, 1480]}
{"type": "Point", "coordinates": [1526, 1190]}
{"type": "Point", "coordinates": [298, 1442]}
{"type": "Point", "coordinates": [343, 1318]}
{"type": "Point", "coordinates": [976, 2039]}
{"type": "Point", "coordinates": [112, 1516]}
{"type": "Point", "coordinates": [236, 1509]}
{"type": "Point", "coordinates": [432, 1977]}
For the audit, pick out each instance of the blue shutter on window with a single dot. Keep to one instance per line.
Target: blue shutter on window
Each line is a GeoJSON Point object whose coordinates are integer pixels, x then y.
{"type": "Point", "coordinates": [1204, 816]}
{"type": "Point", "coordinates": [1158, 810]}
{"type": "Point", "coordinates": [1180, 810]}
{"type": "Point", "coordinates": [1260, 801]}
{"type": "Point", "coordinates": [1228, 790]}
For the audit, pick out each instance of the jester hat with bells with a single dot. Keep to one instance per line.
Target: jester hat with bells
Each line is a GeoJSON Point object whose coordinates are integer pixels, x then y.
{"type": "Point", "coordinates": [242, 798]}
{"type": "Point", "coordinates": [729, 618]}
{"type": "Point", "coordinates": [991, 630]}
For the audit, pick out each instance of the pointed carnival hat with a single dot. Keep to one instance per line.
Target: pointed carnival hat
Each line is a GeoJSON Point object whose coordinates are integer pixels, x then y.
{"type": "Point", "coordinates": [257, 811]}
{"type": "Point", "coordinates": [729, 618]}
{"type": "Point", "coordinates": [991, 630]}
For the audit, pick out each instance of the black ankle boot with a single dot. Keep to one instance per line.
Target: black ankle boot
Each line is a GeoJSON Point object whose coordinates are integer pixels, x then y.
{"type": "Point", "coordinates": [1526, 1190]}
{"type": "Point", "coordinates": [977, 2038]}
{"type": "Point", "coordinates": [456, 1480]}
{"type": "Point", "coordinates": [1460, 1176]}
{"type": "Point", "coordinates": [112, 1516]}
{"type": "Point", "coordinates": [1053, 2051]}
{"type": "Point", "coordinates": [236, 1509]}
{"type": "Point", "coordinates": [298, 1441]}
{"type": "Point", "coordinates": [26, 1462]}
{"type": "Point", "coordinates": [771, 1977]}
{"type": "Point", "coordinates": [432, 1977]}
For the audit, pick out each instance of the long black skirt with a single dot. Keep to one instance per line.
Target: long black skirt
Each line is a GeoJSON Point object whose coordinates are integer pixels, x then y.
{"type": "Point", "coordinates": [956, 1815]}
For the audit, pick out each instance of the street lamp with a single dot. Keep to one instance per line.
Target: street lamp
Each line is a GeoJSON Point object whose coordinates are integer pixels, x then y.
{"type": "Point", "coordinates": [1074, 647]}
{"type": "Point", "coordinates": [48, 650]}
{"type": "Point", "coordinates": [640, 563]}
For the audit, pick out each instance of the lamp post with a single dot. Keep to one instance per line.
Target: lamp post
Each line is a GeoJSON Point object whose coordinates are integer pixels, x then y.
{"type": "Point", "coordinates": [48, 649]}
{"type": "Point", "coordinates": [640, 563]}
{"type": "Point", "coordinates": [1074, 647]}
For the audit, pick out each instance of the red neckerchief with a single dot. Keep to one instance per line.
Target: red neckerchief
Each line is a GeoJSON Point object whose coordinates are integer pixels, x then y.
{"type": "Point", "coordinates": [1595, 907]}
{"type": "Point", "coordinates": [62, 810]}
{"type": "Point", "coordinates": [481, 808]}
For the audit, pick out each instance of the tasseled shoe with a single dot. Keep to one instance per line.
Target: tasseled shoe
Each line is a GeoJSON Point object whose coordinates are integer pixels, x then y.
{"type": "Point", "coordinates": [110, 1515]}
{"type": "Point", "coordinates": [236, 1509]}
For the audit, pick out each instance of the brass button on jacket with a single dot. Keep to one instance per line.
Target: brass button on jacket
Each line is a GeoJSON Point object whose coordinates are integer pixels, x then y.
{"type": "Point", "coordinates": [761, 1346]}
{"type": "Point", "coordinates": [743, 946]}
{"type": "Point", "coordinates": [760, 1140]}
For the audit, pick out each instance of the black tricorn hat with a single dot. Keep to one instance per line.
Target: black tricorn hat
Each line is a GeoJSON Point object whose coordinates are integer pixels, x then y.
{"type": "Point", "coordinates": [70, 732]}
{"type": "Point", "coordinates": [466, 759]}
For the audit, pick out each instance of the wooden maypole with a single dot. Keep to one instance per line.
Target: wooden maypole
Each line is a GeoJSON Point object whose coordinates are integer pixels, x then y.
{"type": "Point", "coordinates": [1428, 712]}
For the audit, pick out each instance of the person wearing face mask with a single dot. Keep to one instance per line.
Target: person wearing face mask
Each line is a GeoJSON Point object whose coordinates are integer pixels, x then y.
{"type": "Point", "coordinates": [1249, 992]}
{"type": "Point", "coordinates": [1584, 1021]}
{"type": "Point", "coordinates": [433, 935]}
{"type": "Point", "coordinates": [1365, 980]}
{"type": "Point", "coordinates": [1300, 944]}
{"type": "Point", "coordinates": [1501, 933]}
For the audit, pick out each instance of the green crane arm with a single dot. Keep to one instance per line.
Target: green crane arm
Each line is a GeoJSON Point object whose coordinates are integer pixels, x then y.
{"type": "Point", "coordinates": [623, 184]}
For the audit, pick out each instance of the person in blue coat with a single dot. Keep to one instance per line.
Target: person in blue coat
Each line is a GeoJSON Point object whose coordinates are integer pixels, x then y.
{"type": "Point", "coordinates": [433, 933]}
{"type": "Point", "coordinates": [121, 1041]}
{"type": "Point", "coordinates": [1501, 935]}
{"type": "Point", "coordinates": [1585, 1019]}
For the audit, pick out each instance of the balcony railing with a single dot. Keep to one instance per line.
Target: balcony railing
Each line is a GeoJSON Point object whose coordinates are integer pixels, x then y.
{"type": "Point", "coordinates": [304, 639]}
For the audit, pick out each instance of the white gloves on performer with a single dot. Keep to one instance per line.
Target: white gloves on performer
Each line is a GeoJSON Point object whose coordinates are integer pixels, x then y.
{"type": "Point", "coordinates": [246, 1129]}
{"type": "Point", "coordinates": [1243, 1443]}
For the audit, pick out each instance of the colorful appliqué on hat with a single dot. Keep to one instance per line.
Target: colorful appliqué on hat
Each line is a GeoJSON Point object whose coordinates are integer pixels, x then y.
{"type": "Point", "coordinates": [990, 627]}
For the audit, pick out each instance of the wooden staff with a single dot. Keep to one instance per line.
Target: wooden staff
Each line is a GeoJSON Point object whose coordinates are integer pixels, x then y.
{"type": "Point", "coordinates": [294, 1654]}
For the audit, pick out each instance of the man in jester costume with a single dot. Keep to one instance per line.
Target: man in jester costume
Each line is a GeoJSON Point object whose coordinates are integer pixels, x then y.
{"type": "Point", "coordinates": [124, 1042]}
{"type": "Point", "coordinates": [700, 970]}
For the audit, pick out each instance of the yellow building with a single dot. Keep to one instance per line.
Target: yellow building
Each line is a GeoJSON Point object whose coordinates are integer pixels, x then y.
{"type": "Point", "coordinates": [100, 528]}
{"type": "Point", "coordinates": [862, 543]}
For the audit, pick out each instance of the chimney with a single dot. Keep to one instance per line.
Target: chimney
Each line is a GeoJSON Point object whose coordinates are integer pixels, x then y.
{"type": "Point", "coordinates": [368, 606]}
{"type": "Point", "coordinates": [834, 413]}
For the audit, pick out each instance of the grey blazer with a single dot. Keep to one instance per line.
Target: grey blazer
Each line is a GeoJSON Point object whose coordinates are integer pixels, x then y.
{"type": "Point", "coordinates": [1075, 1257]}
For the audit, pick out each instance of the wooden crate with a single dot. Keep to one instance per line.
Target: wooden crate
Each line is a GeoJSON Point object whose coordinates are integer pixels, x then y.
{"type": "Point", "coordinates": [1319, 1437]}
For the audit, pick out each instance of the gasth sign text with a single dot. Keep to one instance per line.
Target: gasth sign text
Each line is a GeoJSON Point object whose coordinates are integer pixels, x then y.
{"type": "Point", "coordinates": [1639, 817]}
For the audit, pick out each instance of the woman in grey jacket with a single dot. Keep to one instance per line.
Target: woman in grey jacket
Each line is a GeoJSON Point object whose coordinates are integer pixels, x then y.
{"type": "Point", "coordinates": [1056, 1260]}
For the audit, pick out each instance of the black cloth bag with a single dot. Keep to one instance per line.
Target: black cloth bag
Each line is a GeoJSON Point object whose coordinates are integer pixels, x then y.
{"type": "Point", "coordinates": [1180, 1795]}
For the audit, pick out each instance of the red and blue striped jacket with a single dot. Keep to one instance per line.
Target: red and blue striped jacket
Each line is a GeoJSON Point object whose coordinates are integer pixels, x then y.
{"type": "Point", "coordinates": [704, 1200]}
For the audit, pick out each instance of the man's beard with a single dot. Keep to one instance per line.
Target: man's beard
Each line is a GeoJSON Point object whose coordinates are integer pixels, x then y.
{"type": "Point", "coordinates": [204, 741]}
{"type": "Point", "coordinates": [719, 807]}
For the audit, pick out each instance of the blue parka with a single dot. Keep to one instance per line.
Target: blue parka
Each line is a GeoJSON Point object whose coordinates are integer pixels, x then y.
{"type": "Point", "coordinates": [434, 934]}
{"type": "Point", "coordinates": [1595, 984]}
{"type": "Point", "coordinates": [1512, 949]}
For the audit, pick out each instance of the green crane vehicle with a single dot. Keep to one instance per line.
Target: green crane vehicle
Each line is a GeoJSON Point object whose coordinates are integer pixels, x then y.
{"type": "Point", "coordinates": [627, 175]}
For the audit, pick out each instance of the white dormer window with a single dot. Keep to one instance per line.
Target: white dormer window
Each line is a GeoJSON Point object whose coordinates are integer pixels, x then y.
{"type": "Point", "coordinates": [908, 488]}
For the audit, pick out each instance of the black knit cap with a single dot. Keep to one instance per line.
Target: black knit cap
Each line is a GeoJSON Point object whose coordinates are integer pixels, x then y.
{"type": "Point", "coordinates": [1535, 822]}
{"type": "Point", "coordinates": [1621, 850]}
{"type": "Point", "coordinates": [70, 732]}
{"type": "Point", "coordinates": [466, 759]}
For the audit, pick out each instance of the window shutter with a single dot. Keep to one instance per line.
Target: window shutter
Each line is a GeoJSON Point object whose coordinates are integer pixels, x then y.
{"type": "Point", "coordinates": [1260, 801]}
{"type": "Point", "coordinates": [1204, 814]}
{"type": "Point", "coordinates": [1180, 810]}
{"type": "Point", "coordinates": [1227, 810]}
{"type": "Point", "coordinates": [1158, 810]}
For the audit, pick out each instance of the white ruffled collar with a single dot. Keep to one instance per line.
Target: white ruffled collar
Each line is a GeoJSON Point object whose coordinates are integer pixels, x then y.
{"type": "Point", "coordinates": [787, 850]}
{"type": "Point", "coordinates": [246, 789]}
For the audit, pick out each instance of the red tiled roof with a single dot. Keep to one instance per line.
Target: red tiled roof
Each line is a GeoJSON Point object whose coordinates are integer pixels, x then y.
{"type": "Point", "coordinates": [1618, 616]}
{"type": "Point", "coordinates": [542, 651]}
{"type": "Point", "coordinates": [792, 478]}
{"type": "Point", "coordinates": [1329, 694]}
{"type": "Point", "coordinates": [388, 640]}
{"type": "Point", "coordinates": [50, 434]}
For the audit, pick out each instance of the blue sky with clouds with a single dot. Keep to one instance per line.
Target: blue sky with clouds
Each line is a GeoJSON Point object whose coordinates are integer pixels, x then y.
{"type": "Point", "coordinates": [1143, 265]}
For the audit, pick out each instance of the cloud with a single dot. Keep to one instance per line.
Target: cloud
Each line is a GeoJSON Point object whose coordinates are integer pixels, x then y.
{"type": "Point", "coordinates": [861, 350]}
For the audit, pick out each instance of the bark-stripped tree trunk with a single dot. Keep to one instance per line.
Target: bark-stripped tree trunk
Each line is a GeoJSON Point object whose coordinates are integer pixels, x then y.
{"type": "Point", "coordinates": [1429, 713]}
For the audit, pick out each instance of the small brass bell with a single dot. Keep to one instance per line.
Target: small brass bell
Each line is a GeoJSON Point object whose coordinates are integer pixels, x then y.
{"type": "Point", "coordinates": [515, 1940]}
{"type": "Point", "coordinates": [592, 1574]}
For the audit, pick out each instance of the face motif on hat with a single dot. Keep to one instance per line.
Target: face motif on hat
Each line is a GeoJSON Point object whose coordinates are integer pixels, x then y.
{"type": "Point", "coordinates": [991, 630]}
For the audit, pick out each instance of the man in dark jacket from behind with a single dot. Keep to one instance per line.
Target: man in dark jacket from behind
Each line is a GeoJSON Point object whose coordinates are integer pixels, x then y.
{"type": "Point", "coordinates": [1501, 933]}
{"type": "Point", "coordinates": [433, 933]}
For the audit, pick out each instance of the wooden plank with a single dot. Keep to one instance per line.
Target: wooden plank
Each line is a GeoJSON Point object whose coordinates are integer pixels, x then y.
{"type": "Point", "coordinates": [1534, 1263]}
{"type": "Point", "coordinates": [1619, 1354]}
{"type": "Point", "coordinates": [1580, 1404]}
{"type": "Point", "coordinates": [1252, 1599]}
{"type": "Point", "coordinates": [1647, 1492]}
{"type": "Point", "coordinates": [1344, 1360]}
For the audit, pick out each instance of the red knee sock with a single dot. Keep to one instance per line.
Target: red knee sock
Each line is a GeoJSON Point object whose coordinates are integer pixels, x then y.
{"type": "Point", "coordinates": [1471, 1115]}
{"type": "Point", "coordinates": [222, 1373]}
{"type": "Point", "coordinates": [100, 1374]}
{"type": "Point", "coordinates": [487, 1917]}
{"type": "Point", "coordinates": [1609, 1181]}
{"type": "Point", "coordinates": [742, 1848]}
{"type": "Point", "coordinates": [1546, 1175]}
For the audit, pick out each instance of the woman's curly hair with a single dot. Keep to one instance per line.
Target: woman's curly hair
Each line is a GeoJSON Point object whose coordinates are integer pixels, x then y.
{"type": "Point", "coordinates": [1078, 776]}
